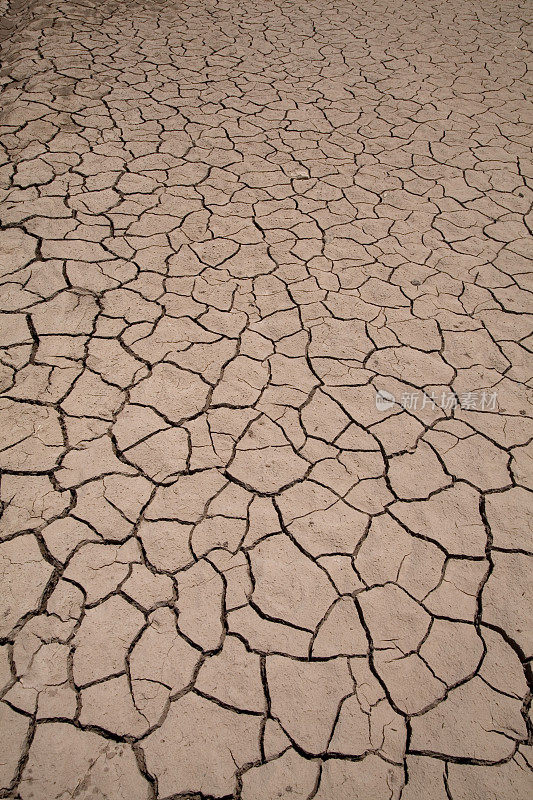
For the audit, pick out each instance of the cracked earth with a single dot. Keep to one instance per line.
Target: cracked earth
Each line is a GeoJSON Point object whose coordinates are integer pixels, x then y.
{"type": "Point", "coordinates": [228, 570]}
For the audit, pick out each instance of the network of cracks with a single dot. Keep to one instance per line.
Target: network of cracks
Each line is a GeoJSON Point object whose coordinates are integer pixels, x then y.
{"type": "Point", "coordinates": [265, 363]}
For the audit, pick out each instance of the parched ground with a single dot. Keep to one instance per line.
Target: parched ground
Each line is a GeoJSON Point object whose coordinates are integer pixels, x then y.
{"type": "Point", "coordinates": [266, 329]}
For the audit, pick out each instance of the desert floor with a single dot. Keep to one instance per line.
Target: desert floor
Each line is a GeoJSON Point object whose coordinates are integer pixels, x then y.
{"type": "Point", "coordinates": [265, 363]}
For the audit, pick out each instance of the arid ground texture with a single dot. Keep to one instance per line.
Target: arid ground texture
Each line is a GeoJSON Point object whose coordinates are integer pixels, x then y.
{"type": "Point", "coordinates": [265, 334]}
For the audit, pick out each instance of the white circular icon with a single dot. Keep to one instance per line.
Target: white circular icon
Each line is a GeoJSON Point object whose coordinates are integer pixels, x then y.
{"type": "Point", "coordinates": [384, 400]}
